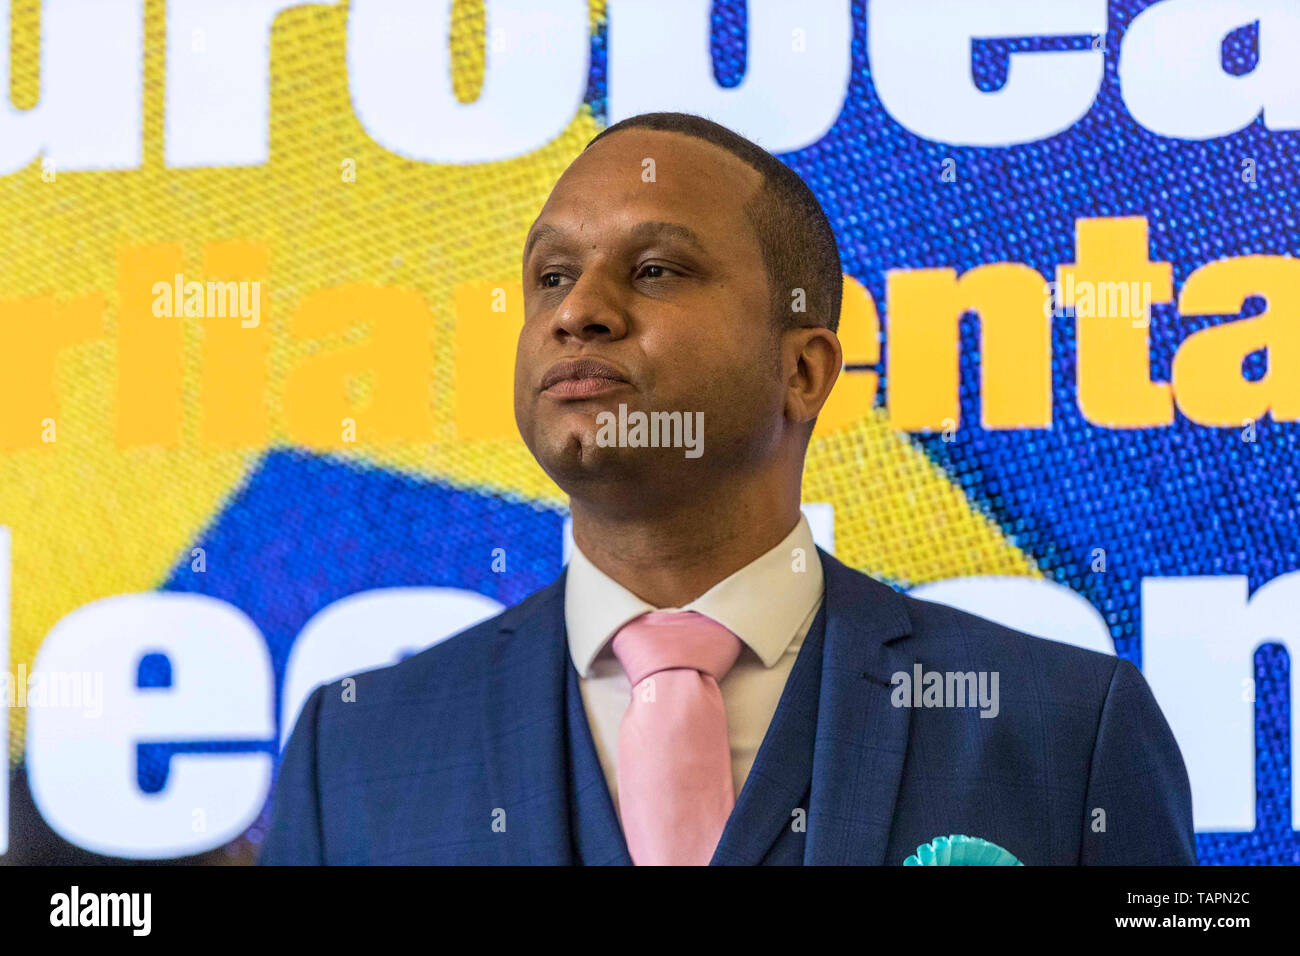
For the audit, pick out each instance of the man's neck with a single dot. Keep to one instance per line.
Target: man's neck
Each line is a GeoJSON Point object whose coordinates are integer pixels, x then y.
{"type": "Point", "coordinates": [670, 559]}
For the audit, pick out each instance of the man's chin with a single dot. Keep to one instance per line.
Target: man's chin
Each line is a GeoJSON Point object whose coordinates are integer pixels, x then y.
{"type": "Point", "coordinates": [576, 457]}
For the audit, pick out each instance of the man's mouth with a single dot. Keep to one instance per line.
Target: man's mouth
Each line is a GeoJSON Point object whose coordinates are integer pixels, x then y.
{"type": "Point", "coordinates": [581, 378]}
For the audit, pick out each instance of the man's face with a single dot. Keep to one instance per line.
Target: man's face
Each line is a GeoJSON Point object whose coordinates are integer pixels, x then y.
{"type": "Point", "coordinates": [662, 282]}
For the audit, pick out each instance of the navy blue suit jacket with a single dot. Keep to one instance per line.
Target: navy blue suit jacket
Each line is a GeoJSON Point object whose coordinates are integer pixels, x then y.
{"type": "Point", "coordinates": [477, 750]}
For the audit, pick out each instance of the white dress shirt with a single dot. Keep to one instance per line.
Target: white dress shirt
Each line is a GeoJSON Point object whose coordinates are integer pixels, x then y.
{"type": "Point", "coordinates": [768, 604]}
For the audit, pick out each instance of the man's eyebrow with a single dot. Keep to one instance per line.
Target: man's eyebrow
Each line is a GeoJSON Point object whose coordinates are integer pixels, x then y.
{"type": "Point", "coordinates": [544, 231]}
{"type": "Point", "coordinates": [666, 230]}
{"type": "Point", "coordinates": [642, 231]}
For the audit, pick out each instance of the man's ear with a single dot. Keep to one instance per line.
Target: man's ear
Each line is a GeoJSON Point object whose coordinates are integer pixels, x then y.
{"type": "Point", "coordinates": [812, 359]}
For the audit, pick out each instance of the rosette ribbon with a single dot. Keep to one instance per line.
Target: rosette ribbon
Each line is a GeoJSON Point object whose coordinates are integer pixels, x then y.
{"type": "Point", "coordinates": [959, 850]}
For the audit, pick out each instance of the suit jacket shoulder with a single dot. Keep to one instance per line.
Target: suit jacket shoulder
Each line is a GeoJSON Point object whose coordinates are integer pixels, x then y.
{"type": "Point", "coordinates": [401, 750]}
{"type": "Point", "coordinates": [945, 634]}
{"type": "Point", "coordinates": [1066, 760]}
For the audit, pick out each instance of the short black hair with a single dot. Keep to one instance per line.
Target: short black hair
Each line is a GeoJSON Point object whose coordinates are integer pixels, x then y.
{"type": "Point", "coordinates": [796, 238]}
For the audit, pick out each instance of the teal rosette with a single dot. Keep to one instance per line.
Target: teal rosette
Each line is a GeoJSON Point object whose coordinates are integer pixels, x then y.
{"type": "Point", "coordinates": [960, 850]}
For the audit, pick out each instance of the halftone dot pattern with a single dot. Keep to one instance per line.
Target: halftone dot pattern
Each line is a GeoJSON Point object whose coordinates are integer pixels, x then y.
{"type": "Point", "coordinates": [288, 532]}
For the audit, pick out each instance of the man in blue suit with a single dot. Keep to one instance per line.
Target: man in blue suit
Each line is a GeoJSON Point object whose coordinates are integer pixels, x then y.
{"type": "Point", "coordinates": [702, 683]}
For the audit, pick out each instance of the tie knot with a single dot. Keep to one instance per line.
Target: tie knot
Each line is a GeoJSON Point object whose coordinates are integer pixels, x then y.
{"type": "Point", "coordinates": [668, 640]}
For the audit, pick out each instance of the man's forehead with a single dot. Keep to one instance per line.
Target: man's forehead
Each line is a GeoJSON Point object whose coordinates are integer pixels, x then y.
{"type": "Point", "coordinates": [647, 182]}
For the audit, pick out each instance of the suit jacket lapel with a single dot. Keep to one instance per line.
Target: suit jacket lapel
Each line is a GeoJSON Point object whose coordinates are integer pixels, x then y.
{"type": "Point", "coordinates": [597, 833]}
{"type": "Point", "coordinates": [861, 736]}
{"type": "Point", "coordinates": [524, 739]}
{"type": "Point", "coordinates": [778, 780]}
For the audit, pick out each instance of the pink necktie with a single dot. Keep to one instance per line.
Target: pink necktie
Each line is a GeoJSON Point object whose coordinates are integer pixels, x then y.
{"type": "Point", "coordinates": [674, 762]}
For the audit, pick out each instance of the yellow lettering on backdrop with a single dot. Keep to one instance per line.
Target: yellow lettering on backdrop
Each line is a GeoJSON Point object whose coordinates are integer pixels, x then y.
{"type": "Point", "coordinates": [1114, 363]}
{"type": "Point", "coordinates": [150, 349]}
{"type": "Point", "coordinates": [369, 353]}
{"type": "Point", "coordinates": [35, 330]}
{"type": "Point", "coordinates": [396, 356]}
{"type": "Point", "coordinates": [1207, 379]}
{"type": "Point", "coordinates": [925, 308]}
{"type": "Point", "coordinates": [233, 403]}
{"type": "Point", "coordinates": [488, 317]}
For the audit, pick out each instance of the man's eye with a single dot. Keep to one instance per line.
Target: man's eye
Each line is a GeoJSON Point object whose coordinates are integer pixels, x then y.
{"type": "Point", "coordinates": [547, 276]}
{"type": "Point", "coordinates": [652, 270]}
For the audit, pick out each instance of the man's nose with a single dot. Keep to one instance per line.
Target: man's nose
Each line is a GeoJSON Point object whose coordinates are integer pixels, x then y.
{"type": "Point", "coordinates": [591, 310]}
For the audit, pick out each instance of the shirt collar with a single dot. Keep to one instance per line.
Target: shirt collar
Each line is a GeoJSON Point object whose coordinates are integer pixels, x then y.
{"type": "Point", "coordinates": [763, 603]}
